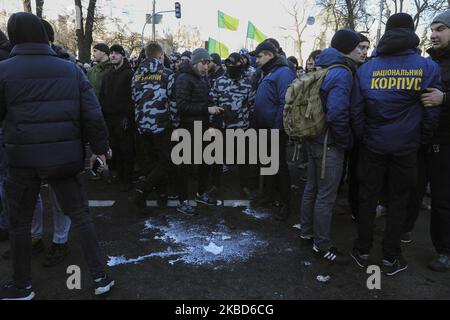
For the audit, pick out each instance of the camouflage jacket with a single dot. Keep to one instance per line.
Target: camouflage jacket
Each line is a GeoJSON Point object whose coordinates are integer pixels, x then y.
{"type": "Point", "coordinates": [153, 95]}
{"type": "Point", "coordinates": [235, 97]}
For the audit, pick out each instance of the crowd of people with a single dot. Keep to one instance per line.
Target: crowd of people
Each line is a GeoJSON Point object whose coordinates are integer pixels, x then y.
{"type": "Point", "coordinates": [387, 131]}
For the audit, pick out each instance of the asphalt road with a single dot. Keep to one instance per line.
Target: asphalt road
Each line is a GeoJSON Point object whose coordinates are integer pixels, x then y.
{"type": "Point", "coordinates": [227, 253]}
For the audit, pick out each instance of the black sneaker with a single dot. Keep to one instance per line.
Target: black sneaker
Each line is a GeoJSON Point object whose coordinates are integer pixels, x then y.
{"type": "Point", "coordinates": [139, 199]}
{"type": "Point", "coordinates": [206, 199]}
{"type": "Point", "coordinates": [56, 254]}
{"type": "Point", "coordinates": [11, 292]}
{"type": "Point", "coordinates": [440, 264]}
{"type": "Point", "coordinates": [186, 208]}
{"type": "Point", "coordinates": [103, 285]}
{"type": "Point", "coordinates": [332, 255]}
{"type": "Point", "coordinates": [406, 237]}
{"type": "Point", "coordinates": [361, 259]}
{"type": "Point", "coordinates": [283, 213]}
{"type": "Point", "coordinates": [391, 268]}
{"type": "Point", "coordinates": [4, 235]}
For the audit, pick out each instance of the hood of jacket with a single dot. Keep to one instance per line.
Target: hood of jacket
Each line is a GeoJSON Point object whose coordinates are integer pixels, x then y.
{"type": "Point", "coordinates": [330, 57]}
{"type": "Point", "coordinates": [25, 28]}
{"type": "Point", "coordinates": [274, 64]}
{"type": "Point", "coordinates": [396, 41]}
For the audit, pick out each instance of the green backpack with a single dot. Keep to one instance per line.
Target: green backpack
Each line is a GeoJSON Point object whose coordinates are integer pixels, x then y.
{"type": "Point", "coordinates": [304, 114]}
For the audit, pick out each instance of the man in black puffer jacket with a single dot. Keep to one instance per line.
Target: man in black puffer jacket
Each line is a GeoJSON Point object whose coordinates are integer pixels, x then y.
{"type": "Point", "coordinates": [50, 110]}
{"type": "Point", "coordinates": [118, 109]}
{"type": "Point", "coordinates": [194, 104]}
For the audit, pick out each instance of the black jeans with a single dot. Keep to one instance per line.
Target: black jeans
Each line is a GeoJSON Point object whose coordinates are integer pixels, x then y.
{"type": "Point", "coordinates": [418, 192]}
{"type": "Point", "coordinates": [204, 170]}
{"type": "Point", "coordinates": [156, 149]}
{"type": "Point", "coordinates": [282, 180]}
{"type": "Point", "coordinates": [439, 160]}
{"type": "Point", "coordinates": [122, 145]}
{"type": "Point", "coordinates": [400, 172]}
{"type": "Point", "coordinates": [22, 187]}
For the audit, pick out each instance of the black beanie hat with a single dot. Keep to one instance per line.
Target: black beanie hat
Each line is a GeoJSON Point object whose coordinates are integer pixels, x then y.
{"type": "Point", "coordinates": [102, 47]}
{"type": "Point", "coordinates": [400, 20]}
{"type": "Point", "coordinates": [49, 29]}
{"type": "Point", "coordinates": [118, 48]}
{"type": "Point", "coordinates": [345, 41]}
{"type": "Point", "coordinates": [216, 59]}
{"type": "Point", "coordinates": [363, 38]}
{"type": "Point", "coordinates": [25, 27]}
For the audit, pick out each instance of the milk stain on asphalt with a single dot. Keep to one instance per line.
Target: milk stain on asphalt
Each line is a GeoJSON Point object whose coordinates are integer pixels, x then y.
{"type": "Point", "coordinates": [191, 244]}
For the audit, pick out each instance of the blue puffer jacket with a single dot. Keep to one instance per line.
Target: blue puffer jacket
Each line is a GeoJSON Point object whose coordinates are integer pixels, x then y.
{"type": "Point", "coordinates": [387, 115]}
{"type": "Point", "coordinates": [49, 109]}
{"type": "Point", "coordinates": [271, 93]}
{"type": "Point", "coordinates": [335, 94]}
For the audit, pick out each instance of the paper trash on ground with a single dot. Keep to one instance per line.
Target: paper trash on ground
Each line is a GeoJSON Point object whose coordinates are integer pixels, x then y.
{"type": "Point", "coordinates": [213, 248]}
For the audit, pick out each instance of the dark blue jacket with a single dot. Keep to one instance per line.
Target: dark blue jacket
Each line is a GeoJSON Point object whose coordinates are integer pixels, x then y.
{"type": "Point", "coordinates": [49, 110]}
{"type": "Point", "coordinates": [335, 94]}
{"type": "Point", "coordinates": [271, 93]}
{"type": "Point", "coordinates": [387, 115]}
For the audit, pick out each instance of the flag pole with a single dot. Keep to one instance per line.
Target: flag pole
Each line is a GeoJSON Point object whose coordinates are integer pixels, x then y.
{"type": "Point", "coordinates": [246, 36]}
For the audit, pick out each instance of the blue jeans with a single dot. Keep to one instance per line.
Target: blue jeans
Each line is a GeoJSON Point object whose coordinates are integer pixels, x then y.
{"type": "Point", "coordinates": [61, 222]}
{"type": "Point", "coordinates": [320, 195]}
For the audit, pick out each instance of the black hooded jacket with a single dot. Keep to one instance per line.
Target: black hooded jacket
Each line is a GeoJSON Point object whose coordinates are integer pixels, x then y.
{"type": "Point", "coordinates": [5, 47]}
{"type": "Point", "coordinates": [442, 58]}
{"type": "Point", "coordinates": [115, 92]}
{"type": "Point", "coordinates": [48, 105]}
{"type": "Point", "coordinates": [192, 92]}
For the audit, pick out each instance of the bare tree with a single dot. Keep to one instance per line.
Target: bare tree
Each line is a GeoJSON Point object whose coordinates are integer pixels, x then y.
{"type": "Point", "coordinates": [27, 5]}
{"type": "Point", "coordinates": [426, 9]}
{"type": "Point", "coordinates": [84, 31]}
{"type": "Point", "coordinates": [65, 33]}
{"type": "Point", "coordinates": [347, 13]}
{"type": "Point", "coordinates": [187, 38]}
{"type": "Point", "coordinates": [298, 13]}
{"type": "Point", "coordinates": [398, 5]}
{"type": "Point", "coordinates": [39, 8]}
